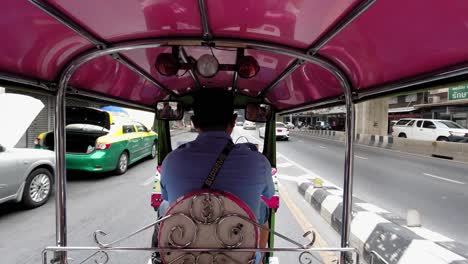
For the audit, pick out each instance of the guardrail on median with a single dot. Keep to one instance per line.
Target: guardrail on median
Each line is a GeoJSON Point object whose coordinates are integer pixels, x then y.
{"type": "Point", "coordinates": [438, 149]}
{"type": "Point", "coordinates": [375, 231]}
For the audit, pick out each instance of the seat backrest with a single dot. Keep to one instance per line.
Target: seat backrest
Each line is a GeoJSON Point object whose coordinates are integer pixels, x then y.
{"type": "Point", "coordinates": [212, 220]}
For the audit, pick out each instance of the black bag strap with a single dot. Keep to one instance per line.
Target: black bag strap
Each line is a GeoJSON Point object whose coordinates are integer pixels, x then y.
{"type": "Point", "coordinates": [218, 164]}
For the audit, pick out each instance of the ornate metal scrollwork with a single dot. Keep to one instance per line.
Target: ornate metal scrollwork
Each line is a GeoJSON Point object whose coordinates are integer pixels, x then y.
{"type": "Point", "coordinates": [211, 208]}
{"type": "Point", "coordinates": [181, 233]}
{"type": "Point", "coordinates": [306, 258]}
{"type": "Point", "coordinates": [100, 257]}
{"type": "Point", "coordinates": [306, 234]}
{"type": "Point", "coordinates": [234, 231]}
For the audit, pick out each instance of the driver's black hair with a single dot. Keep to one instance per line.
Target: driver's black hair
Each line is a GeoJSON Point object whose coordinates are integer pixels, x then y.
{"type": "Point", "coordinates": [213, 108]}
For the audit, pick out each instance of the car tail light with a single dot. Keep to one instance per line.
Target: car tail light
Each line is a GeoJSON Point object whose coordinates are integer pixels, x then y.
{"type": "Point", "coordinates": [279, 130]}
{"type": "Point", "coordinates": [102, 146]}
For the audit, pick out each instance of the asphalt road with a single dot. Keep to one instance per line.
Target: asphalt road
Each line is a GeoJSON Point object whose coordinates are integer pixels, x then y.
{"type": "Point", "coordinates": [394, 181]}
{"type": "Point", "coordinates": [119, 205]}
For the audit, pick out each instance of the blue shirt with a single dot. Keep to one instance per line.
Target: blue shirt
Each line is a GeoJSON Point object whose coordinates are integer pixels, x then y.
{"type": "Point", "coordinates": [246, 173]}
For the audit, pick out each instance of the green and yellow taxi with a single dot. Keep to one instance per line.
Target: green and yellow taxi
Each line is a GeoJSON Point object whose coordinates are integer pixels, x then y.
{"type": "Point", "coordinates": [99, 141]}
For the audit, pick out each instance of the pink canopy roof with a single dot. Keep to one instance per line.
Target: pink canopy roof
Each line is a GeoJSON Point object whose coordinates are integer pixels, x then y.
{"type": "Point", "coordinates": [388, 42]}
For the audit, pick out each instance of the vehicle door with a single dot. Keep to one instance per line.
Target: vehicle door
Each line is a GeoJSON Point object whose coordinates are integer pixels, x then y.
{"type": "Point", "coordinates": [133, 139]}
{"type": "Point", "coordinates": [409, 129]}
{"type": "Point", "coordinates": [147, 140]}
{"type": "Point", "coordinates": [141, 132]}
{"type": "Point", "coordinates": [414, 132]}
{"type": "Point", "coordinates": [428, 130]}
{"type": "Point", "coordinates": [11, 175]}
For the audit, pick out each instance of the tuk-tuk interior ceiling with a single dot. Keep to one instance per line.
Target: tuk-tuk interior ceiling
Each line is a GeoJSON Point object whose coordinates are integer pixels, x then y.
{"type": "Point", "coordinates": [389, 41]}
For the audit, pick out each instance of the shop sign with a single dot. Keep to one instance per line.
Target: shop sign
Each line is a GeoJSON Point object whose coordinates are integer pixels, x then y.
{"type": "Point", "coordinates": [458, 92]}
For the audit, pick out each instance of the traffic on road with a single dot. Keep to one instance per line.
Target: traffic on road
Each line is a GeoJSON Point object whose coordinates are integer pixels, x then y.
{"type": "Point", "coordinates": [234, 132]}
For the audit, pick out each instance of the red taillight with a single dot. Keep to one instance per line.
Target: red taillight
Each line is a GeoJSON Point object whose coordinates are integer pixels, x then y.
{"type": "Point", "coordinates": [102, 146]}
{"type": "Point", "coordinates": [248, 67]}
{"type": "Point", "coordinates": [159, 168]}
{"type": "Point", "coordinates": [273, 171]}
{"type": "Point", "coordinates": [279, 130]}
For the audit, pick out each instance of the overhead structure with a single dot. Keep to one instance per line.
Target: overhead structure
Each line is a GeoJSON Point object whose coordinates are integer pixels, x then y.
{"type": "Point", "coordinates": [302, 55]}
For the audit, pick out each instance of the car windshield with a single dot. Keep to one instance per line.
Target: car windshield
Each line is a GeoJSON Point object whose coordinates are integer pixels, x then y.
{"type": "Point", "coordinates": [403, 122]}
{"type": "Point", "coordinates": [280, 125]}
{"type": "Point", "coordinates": [448, 124]}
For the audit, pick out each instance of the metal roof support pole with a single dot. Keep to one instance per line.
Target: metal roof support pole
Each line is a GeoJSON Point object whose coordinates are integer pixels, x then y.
{"type": "Point", "coordinates": [348, 174]}
{"type": "Point", "coordinates": [73, 65]}
{"type": "Point", "coordinates": [207, 36]}
{"type": "Point", "coordinates": [60, 174]}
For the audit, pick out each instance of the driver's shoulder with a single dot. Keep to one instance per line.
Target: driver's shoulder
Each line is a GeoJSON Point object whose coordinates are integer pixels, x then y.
{"type": "Point", "coordinates": [248, 147]}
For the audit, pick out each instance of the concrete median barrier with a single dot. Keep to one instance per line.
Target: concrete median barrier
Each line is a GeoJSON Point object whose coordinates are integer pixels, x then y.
{"type": "Point", "coordinates": [438, 149]}
{"type": "Point", "coordinates": [378, 234]}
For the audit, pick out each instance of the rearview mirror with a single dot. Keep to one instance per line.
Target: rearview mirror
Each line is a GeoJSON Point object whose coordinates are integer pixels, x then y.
{"type": "Point", "coordinates": [258, 112]}
{"type": "Point", "coordinates": [169, 110]}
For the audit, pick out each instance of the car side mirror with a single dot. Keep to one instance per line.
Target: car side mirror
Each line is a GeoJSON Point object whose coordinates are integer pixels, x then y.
{"type": "Point", "coordinates": [259, 113]}
{"type": "Point", "coordinates": [169, 110]}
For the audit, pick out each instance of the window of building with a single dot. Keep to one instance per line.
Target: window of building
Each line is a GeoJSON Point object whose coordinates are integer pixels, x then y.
{"type": "Point", "coordinates": [410, 98]}
{"type": "Point", "coordinates": [393, 100]}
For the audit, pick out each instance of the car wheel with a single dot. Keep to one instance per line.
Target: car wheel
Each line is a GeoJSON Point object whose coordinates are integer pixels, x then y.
{"type": "Point", "coordinates": [442, 139]}
{"type": "Point", "coordinates": [38, 188]}
{"type": "Point", "coordinates": [402, 135]}
{"type": "Point", "coordinates": [154, 150]}
{"type": "Point", "coordinates": [122, 163]}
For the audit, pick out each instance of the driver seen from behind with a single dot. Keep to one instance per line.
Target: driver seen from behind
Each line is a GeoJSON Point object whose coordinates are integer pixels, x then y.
{"type": "Point", "coordinates": [245, 173]}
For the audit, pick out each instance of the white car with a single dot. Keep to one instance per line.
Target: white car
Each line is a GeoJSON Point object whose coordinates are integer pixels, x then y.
{"type": "Point", "coordinates": [26, 175]}
{"type": "Point", "coordinates": [249, 125]}
{"type": "Point", "coordinates": [282, 132]}
{"type": "Point", "coordinates": [428, 129]}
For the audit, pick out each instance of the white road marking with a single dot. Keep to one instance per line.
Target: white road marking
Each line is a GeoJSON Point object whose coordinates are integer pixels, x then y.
{"type": "Point", "coordinates": [442, 178]}
{"type": "Point", "coordinates": [292, 178]}
{"type": "Point", "coordinates": [320, 146]}
{"type": "Point", "coordinates": [284, 165]}
{"type": "Point", "coordinates": [361, 157]}
{"type": "Point", "coordinates": [148, 181]}
{"type": "Point", "coordinates": [371, 208]}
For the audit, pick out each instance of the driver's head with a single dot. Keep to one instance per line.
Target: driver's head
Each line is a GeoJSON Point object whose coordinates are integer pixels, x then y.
{"type": "Point", "coordinates": [213, 110]}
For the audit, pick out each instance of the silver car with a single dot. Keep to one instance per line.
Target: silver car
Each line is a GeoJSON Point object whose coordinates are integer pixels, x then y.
{"type": "Point", "coordinates": [26, 175]}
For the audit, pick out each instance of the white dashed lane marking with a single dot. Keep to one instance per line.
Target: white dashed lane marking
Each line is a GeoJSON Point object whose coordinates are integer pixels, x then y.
{"type": "Point", "coordinates": [442, 178]}
{"type": "Point", "coordinates": [148, 181]}
{"type": "Point", "coordinates": [361, 157]}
